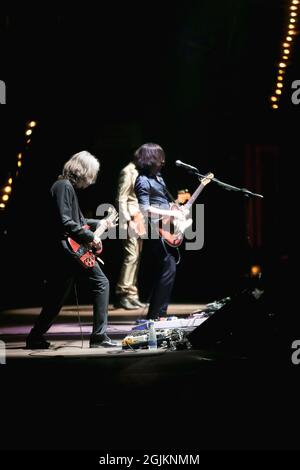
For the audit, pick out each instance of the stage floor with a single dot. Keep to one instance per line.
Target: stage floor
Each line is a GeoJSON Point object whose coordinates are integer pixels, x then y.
{"type": "Point", "coordinates": [74, 397]}
{"type": "Point", "coordinates": [68, 336]}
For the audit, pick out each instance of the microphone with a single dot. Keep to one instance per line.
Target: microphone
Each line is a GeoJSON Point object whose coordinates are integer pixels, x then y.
{"type": "Point", "coordinates": [186, 166]}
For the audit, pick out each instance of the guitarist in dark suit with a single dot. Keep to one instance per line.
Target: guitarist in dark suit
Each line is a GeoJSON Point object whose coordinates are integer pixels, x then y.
{"type": "Point", "coordinates": [154, 202]}
{"type": "Point", "coordinates": [66, 220]}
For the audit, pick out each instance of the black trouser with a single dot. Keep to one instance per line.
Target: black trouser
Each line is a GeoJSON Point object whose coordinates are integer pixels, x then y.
{"type": "Point", "coordinates": [59, 284]}
{"type": "Point", "coordinates": [165, 273]}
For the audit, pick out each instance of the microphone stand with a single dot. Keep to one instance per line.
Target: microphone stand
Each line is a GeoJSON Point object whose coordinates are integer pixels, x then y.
{"type": "Point", "coordinates": [228, 187]}
{"type": "Point", "coordinates": [245, 192]}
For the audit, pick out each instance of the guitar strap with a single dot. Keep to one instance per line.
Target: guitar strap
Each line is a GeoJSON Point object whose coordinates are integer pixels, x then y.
{"type": "Point", "coordinates": [81, 217]}
{"type": "Point", "coordinates": [171, 197]}
{"type": "Point", "coordinates": [80, 214]}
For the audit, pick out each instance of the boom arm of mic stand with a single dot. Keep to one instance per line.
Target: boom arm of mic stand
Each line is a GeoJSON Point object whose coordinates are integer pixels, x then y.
{"type": "Point", "coordinates": [229, 187]}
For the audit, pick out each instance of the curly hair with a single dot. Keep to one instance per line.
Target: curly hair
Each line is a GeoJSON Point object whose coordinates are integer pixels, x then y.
{"type": "Point", "coordinates": [149, 158]}
{"type": "Point", "coordinates": [81, 169]}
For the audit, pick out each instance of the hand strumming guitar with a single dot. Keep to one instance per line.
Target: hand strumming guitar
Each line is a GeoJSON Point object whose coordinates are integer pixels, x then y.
{"type": "Point", "coordinates": [181, 213]}
{"type": "Point", "coordinates": [132, 226]}
{"type": "Point", "coordinates": [96, 243]}
{"type": "Point", "coordinates": [106, 224]}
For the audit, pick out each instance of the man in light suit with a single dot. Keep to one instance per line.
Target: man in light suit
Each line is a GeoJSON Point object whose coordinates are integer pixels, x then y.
{"type": "Point", "coordinates": [127, 295]}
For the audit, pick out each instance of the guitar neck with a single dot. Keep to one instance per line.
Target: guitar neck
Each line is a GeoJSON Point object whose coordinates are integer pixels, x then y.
{"type": "Point", "coordinates": [106, 223]}
{"type": "Point", "coordinates": [101, 229]}
{"type": "Point", "coordinates": [194, 196]}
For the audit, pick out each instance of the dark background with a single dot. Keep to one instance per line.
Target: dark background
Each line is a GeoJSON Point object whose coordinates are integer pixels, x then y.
{"type": "Point", "coordinates": [193, 76]}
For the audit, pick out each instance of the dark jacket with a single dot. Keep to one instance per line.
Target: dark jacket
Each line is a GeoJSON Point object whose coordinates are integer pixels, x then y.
{"type": "Point", "coordinates": [66, 219]}
{"type": "Point", "coordinates": [151, 191]}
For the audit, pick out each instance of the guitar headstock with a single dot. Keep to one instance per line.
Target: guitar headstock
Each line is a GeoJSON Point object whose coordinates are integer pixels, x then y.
{"type": "Point", "coordinates": [207, 178]}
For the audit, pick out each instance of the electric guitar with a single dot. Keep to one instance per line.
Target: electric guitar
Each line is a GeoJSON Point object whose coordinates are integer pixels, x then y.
{"type": "Point", "coordinates": [86, 253]}
{"type": "Point", "coordinates": [172, 229]}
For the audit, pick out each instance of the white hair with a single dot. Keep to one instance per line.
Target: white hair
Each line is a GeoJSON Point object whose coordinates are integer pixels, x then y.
{"type": "Point", "coordinates": [81, 169]}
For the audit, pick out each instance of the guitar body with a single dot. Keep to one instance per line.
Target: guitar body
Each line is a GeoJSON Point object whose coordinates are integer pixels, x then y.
{"type": "Point", "coordinates": [85, 254]}
{"type": "Point", "coordinates": [172, 230]}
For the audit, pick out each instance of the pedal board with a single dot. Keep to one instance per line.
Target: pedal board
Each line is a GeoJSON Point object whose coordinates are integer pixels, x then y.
{"type": "Point", "coordinates": [139, 338]}
{"type": "Point", "coordinates": [168, 338]}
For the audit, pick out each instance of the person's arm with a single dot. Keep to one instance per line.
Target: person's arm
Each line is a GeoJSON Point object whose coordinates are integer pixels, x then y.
{"type": "Point", "coordinates": [142, 190]}
{"type": "Point", "coordinates": [164, 212]}
{"type": "Point", "coordinates": [93, 223]}
{"type": "Point", "coordinates": [64, 199]}
{"type": "Point", "coordinates": [124, 189]}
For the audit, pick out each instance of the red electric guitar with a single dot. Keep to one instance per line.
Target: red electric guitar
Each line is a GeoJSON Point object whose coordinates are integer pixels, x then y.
{"type": "Point", "coordinates": [86, 254]}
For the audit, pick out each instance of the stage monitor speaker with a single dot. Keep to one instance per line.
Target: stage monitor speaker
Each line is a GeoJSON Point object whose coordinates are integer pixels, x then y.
{"type": "Point", "coordinates": [241, 322]}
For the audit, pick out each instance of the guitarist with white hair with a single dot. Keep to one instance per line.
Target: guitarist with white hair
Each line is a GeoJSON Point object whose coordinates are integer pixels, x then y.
{"type": "Point", "coordinates": [66, 222]}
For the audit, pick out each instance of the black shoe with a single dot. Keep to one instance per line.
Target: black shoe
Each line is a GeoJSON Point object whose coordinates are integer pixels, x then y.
{"type": "Point", "coordinates": [137, 302]}
{"type": "Point", "coordinates": [106, 343]}
{"type": "Point", "coordinates": [40, 343]}
{"type": "Point", "coordinates": [125, 303]}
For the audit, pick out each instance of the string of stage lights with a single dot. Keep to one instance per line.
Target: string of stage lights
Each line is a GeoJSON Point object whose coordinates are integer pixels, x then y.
{"type": "Point", "coordinates": [6, 189]}
{"type": "Point", "coordinates": [286, 52]}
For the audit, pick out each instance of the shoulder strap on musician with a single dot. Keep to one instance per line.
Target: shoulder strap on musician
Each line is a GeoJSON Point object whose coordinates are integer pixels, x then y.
{"type": "Point", "coordinates": [167, 191]}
